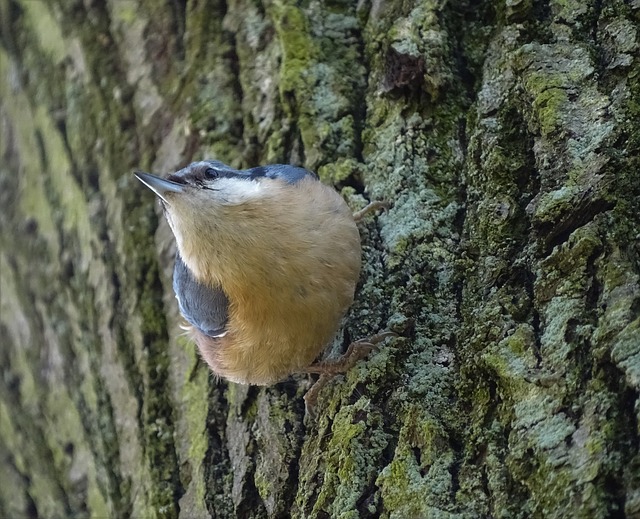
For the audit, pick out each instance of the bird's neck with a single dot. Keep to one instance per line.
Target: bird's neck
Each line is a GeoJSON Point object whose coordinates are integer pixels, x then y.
{"type": "Point", "coordinates": [215, 248]}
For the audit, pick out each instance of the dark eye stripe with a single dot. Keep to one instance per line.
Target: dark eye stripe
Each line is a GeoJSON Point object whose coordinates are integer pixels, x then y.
{"type": "Point", "coordinates": [177, 179]}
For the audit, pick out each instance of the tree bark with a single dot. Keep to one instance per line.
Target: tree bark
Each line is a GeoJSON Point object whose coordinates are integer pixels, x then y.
{"type": "Point", "coordinates": [504, 134]}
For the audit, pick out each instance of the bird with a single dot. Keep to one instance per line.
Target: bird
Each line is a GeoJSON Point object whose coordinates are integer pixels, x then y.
{"type": "Point", "coordinates": [266, 267]}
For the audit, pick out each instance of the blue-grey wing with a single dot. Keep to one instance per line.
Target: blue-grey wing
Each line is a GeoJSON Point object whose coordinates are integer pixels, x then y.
{"type": "Point", "coordinates": [204, 307]}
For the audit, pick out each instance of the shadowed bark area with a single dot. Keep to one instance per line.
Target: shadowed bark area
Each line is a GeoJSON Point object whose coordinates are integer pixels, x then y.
{"type": "Point", "coordinates": [505, 136]}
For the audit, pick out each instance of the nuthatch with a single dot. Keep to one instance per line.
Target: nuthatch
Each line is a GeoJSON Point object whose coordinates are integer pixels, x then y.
{"type": "Point", "coordinates": [267, 264]}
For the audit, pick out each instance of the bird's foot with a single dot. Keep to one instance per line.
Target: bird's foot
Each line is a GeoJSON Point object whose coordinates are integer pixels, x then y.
{"type": "Point", "coordinates": [356, 351]}
{"type": "Point", "coordinates": [373, 206]}
{"type": "Point", "coordinates": [328, 369]}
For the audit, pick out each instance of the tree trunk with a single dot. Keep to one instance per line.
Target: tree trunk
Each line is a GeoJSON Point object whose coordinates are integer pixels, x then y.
{"type": "Point", "coordinates": [505, 136]}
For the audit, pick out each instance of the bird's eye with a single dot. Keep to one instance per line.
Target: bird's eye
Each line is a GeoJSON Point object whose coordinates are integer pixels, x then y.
{"type": "Point", "coordinates": [211, 173]}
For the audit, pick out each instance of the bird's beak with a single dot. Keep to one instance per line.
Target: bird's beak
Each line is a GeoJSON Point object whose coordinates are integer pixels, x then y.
{"type": "Point", "coordinates": [158, 185]}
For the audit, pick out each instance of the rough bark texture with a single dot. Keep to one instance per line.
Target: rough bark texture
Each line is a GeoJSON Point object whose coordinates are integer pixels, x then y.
{"type": "Point", "coordinates": [505, 135]}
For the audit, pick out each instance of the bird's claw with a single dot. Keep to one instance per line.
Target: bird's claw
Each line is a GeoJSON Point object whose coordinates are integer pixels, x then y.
{"type": "Point", "coordinates": [371, 207]}
{"type": "Point", "coordinates": [328, 369]}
